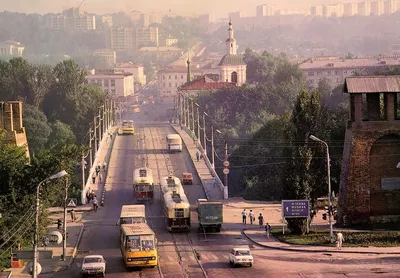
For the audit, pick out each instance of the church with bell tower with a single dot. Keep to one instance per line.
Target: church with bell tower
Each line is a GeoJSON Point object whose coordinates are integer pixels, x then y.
{"type": "Point", "coordinates": [232, 67]}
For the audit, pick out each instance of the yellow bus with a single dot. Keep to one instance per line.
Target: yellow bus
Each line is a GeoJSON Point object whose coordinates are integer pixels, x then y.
{"type": "Point", "coordinates": [126, 128]}
{"type": "Point", "coordinates": [138, 245]}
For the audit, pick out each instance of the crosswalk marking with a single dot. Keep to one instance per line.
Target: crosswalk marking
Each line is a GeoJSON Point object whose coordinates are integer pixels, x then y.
{"type": "Point", "coordinates": [206, 256]}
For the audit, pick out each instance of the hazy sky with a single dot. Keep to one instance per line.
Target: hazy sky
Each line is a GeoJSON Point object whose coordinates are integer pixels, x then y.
{"type": "Point", "coordinates": [187, 7]}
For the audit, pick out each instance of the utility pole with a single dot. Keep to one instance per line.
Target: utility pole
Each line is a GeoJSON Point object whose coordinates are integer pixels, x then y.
{"type": "Point", "coordinates": [204, 134]}
{"type": "Point", "coordinates": [95, 134]}
{"type": "Point", "coordinates": [226, 173]}
{"type": "Point", "coordinates": [198, 125]}
{"type": "Point", "coordinates": [65, 221]}
{"type": "Point", "coordinates": [193, 116]}
{"type": "Point", "coordinates": [90, 148]}
{"type": "Point", "coordinates": [100, 125]}
{"type": "Point", "coordinates": [212, 147]}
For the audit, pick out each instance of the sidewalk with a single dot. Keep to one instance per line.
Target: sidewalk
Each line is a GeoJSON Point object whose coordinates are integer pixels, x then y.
{"type": "Point", "coordinates": [74, 230]}
{"type": "Point", "coordinates": [257, 235]}
{"type": "Point", "coordinates": [213, 192]}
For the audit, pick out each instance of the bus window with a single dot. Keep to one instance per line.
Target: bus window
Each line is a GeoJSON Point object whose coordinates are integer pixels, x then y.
{"type": "Point", "coordinates": [133, 243]}
{"type": "Point", "coordinates": [147, 243]}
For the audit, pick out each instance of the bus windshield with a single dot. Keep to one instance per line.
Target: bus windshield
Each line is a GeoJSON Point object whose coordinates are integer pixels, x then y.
{"type": "Point", "coordinates": [174, 141]}
{"type": "Point", "coordinates": [140, 243]}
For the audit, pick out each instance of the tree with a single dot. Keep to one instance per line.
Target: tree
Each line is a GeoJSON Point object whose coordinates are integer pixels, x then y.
{"type": "Point", "coordinates": [37, 128]}
{"type": "Point", "coordinates": [298, 179]}
{"type": "Point", "coordinates": [61, 134]}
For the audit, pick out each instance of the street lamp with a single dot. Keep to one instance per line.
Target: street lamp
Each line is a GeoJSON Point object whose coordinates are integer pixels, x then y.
{"type": "Point", "coordinates": [212, 146]}
{"type": "Point", "coordinates": [36, 238]}
{"type": "Point", "coordinates": [328, 164]}
{"type": "Point", "coordinates": [205, 135]}
{"type": "Point", "coordinates": [198, 123]}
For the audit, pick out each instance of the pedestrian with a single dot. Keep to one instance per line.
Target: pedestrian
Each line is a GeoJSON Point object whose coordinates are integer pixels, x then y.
{"type": "Point", "coordinates": [261, 220]}
{"type": "Point", "coordinates": [72, 215]}
{"type": "Point", "coordinates": [97, 170]}
{"type": "Point", "coordinates": [94, 177]}
{"type": "Point", "coordinates": [268, 230]}
{"type": "Point", "coordinates": [100, 177]}
{"type": "Point", "coordinates": [88, 196]}
{"type": "Point", "coordinates": [339, 240]}
{"type": "Point", "coordinates": [104, 166]}
{"type": "Point", "coordinates": [251, 216]}
{"type": "Point", "coordinates": [244, 215]}
{"type": "Point", "coordinates": [197, 155]}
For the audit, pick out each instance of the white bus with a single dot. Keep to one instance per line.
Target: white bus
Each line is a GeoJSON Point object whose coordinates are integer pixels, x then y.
{"type": "Point", "coordinates": [132, 214]}
{"type": "Point", "coordinates": [174, 142]}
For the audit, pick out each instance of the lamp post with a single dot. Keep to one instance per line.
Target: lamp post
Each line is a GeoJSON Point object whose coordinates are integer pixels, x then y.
{"type": "Point", "coordinates": [212, 146]}
{"type": "Point", "coordinates": [226, 192]}
{"type": "Point", "coordinates": [36, 237]}
{"type": "Point", "coordinates": [328, 164]}
{"type": "Point", "coordinates": [192, 115]}
{"type": "Point", "coordinates": [64, 254]}
{"type": "Point", "coordinates": [204, 133]}
{"type": "Point", "coordinates": [198, 124]}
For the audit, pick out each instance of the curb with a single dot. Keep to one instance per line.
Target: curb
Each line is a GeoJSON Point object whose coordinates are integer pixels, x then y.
{"type": "Point", "coordinates": [74, 253]}
{"type": "Point", "coordinates": [315, 251]}
{"type": "Point", "coordinates": [193, 163]}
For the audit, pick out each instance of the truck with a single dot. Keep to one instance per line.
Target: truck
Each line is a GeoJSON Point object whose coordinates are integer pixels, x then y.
{"type": "Point", "coordinates": [174, 142]}
{"type": "Point", "coordinates": [210, 215]}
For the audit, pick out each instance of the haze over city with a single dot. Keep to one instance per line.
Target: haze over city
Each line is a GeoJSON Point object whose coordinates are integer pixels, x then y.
{"type": "Point", "coordinates": [219, 8]}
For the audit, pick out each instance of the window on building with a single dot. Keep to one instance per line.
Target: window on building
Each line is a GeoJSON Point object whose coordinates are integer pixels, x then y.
{"type": "Point", "coordinates": [176, 76]}
{"type": "Point", "coordinates": [163, 77]}
{"type": "Point", "coordinates": [234, 78]}
{"type": "Point", "coordinates": [182, 76]}
{"type": "Point", "coordinates": [310, 73]}
{"type": "Point", "coordinates": [112, 82]}
{"type": "Point", "coordinates": [329, 72]}
{"type": "Point", "coordinates": [169, 76]}
{"type": "Point", "coordinates": [169, 84]}
{"type": "Point", "coordinates": [337, 72]}
{"type": "Point", "coordinates": [163, 84]}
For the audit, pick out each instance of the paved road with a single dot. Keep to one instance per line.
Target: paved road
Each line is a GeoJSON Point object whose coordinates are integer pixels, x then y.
{"type": "Point", "coordinates": [176, 251]}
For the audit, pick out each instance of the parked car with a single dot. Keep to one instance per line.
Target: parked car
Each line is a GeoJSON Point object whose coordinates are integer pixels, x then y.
{"type": "Point", "coordinates": [93, 265]}
{"type": "Point", "coordinates": [241, 256]}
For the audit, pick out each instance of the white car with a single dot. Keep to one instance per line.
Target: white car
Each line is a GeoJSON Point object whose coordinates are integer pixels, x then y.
{"type": "Point", "coordinates": [241, 256]}
{"type": "Point", "coordinates": [93, 265]}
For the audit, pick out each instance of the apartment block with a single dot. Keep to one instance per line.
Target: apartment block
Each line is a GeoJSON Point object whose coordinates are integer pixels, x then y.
{"type": "Point", "coordinates": [105, 58]}
{"type": "Point", "coordinates": [57, 21]}
{"type": "Point", "coordinates": [146, 36]}
{"type": "Point", "coordinates": [377, 8]}
{"type": "Point", "coordinates": [316, 10]}
{"type": "Point", "coordinates": [120, 39]}
{"type": "Point", "coordinates": [335, 69]}
{"type": "Point", "coordinates": [136, 70]}
{"type": "Point", "coordinates": [207, 18]}
{"type": "Point", "coordinates": [116, 84]}
{"type": "Point", "coordinates": [391, 6]}
{"type": "Point", "coordinates": [350, 9]}
{"type": "Point", "coordinates": [333, 10]}
{"type": "Point", "coordinates": [264, 10]}
{"type": "Point", "coordinates": [171, 78]}
{"type": "Point", "coordinates": [84, 22]}
{"type": "Point", "coordinates": [147, 19]}
{"type": "Point", "coordinates": [364, 8]}
{"type": "Point", "coordinates": [106, 20]}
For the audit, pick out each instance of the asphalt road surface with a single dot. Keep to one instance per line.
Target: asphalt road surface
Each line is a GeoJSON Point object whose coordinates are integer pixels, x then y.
{"type": "Point", "coordinates": [177, 251]}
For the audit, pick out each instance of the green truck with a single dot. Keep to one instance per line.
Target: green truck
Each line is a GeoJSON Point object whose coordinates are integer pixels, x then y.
{"type": "Point", "coordinates": [209, 214]}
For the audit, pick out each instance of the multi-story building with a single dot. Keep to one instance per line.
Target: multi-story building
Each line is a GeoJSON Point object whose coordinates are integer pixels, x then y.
{"type": "Point", "coordinates": [236, 15]}
{"type": "Point", "coordinates": [120, 39]}
{"type": "Point", "coordinates": [147, 19]}
{"type": "Point", "coordinates": [170, 41]}
{"type": "Point", "coordinates": [135, 69]}
{"type": "Point", "coordinates": [116, 84]}
{"type": "Point", "coordinates": [107, 20]}
{"type": "Point", "coordinates": [11, 48]}
{"type": "Point", "coordinates": [134, 16]}
{"type": "Point", "coordinates": [105, 58]}
{"type": "Point", "coordinates": [171, 78]}
{"type": "Point", "coordinates": [146, 36]}
{"type": "Point", "coordinates": [391, 6]}
{"type": "Point", "coordinates": [57, 21]}
{"type": "Point", "coordinates": [207, 18]}
{"type": "Point", "coordinates": [335, 69]}
{"type": "Point", "coordinates": [377, 7]}
{"type": "Point", "coordinates": [350, 9]}
{"type": "Point", "coordinates": [364, 8]}
{"type": "Point", "coordinates": [264, 10]}
{"type": "Point", "coordinates": [332, 10]}
{"type": "Point", "coordinates": [84, 22]}
{"type": "Point", "coordinates": [316, 10]}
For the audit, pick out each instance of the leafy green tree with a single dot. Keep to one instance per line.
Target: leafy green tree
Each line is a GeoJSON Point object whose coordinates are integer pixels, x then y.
{"type": "Point", "coordinates": [298, 180]}
{"type": "Point", "coordinates": [61, 134]}
{"type": "Point", "coordinates": [37, 128]}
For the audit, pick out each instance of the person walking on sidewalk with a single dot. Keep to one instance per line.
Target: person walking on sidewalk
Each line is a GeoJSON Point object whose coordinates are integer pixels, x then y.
{"type": "Point", "coordinates": [261, 220]}
{"type": "Point", "coordinates": [94, 177]}
{"type": "Point", "coordinates": [339, 240]}
{"type": "Point", "coordinates": [197, 156]}
{"type": "Point", "coordinates": [251, 217]}
{"type": "Point", "coordinates": [244, 216]}
{"type": "Point", "coordinates": [268, 230]}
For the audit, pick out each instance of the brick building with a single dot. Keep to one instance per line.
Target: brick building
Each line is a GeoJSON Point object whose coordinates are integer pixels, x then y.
{"type": "Point", "coordinates": [11, 123]}
{"type": "Point", "coordinates": [370, 182]}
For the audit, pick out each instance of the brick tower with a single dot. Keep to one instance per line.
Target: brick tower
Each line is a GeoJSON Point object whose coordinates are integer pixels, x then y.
{"type": "Point", "coordinates": [11, 123]}
{"type": "Point", "coordinates": [370, 182]}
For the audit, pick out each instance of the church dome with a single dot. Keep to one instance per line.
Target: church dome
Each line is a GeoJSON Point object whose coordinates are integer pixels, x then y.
{"type": "Point", "coordinates": [231, 60]}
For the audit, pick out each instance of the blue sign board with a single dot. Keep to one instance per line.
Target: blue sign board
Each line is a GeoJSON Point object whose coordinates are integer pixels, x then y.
{"type": "Point", "coordinates": [295, 208]}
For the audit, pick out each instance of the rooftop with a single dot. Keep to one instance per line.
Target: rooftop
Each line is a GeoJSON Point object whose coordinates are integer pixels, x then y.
{"type": "Point", "coordinates": [128, 65]}
{"type": "Point", "coordinates": [109, 75]}
{"type": "Point", "coordinates": [179, 69]}
{"type": "Point", "coordinates": [349, 63]}
{"type": "Point", "coordinates": [231, 60]}
{"type": "Point", "coordinates": [205, 83]}
{"type": "Point", "coordinates": [372, 84]}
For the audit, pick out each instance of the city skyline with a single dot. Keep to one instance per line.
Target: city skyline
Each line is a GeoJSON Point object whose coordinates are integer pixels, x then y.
{"type": "Point", "coordinates": [219, 8]}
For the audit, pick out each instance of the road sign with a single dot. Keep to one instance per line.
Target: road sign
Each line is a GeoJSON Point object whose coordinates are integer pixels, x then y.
{"type": "Point", "coordinates": [225, 171]}
{"type": "Point", "coordinates": [295, 208]}
{"type": "Point", "coordinates": [72, 202]}
{"type": "Point", "coordinates": [38, 268]}
{"type": "Point", "coordinates": [226, 163]}
{"type": "Point", "coordinates": [55, 237]}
